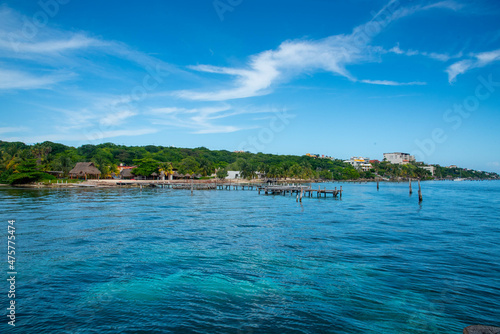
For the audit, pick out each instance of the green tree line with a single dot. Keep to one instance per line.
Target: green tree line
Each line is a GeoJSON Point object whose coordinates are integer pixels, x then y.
{"type": "Point", "coordinates": [21, 163]}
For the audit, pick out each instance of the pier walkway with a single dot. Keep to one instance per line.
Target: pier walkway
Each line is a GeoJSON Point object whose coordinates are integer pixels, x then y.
{"type": "Point", "coordinates": [266, 189]}
{"type": "Point", "coordinates": [299, 190]}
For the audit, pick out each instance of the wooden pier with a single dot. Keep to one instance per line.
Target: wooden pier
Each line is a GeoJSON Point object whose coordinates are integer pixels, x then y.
{"type": "Point", "coordinates": [267, 189]}
{"type": "Point", "coordinates": [299, 190]}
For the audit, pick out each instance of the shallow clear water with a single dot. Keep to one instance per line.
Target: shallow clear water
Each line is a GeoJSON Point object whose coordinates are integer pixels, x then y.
{"type": "Point", "coordinates": [160, 260]}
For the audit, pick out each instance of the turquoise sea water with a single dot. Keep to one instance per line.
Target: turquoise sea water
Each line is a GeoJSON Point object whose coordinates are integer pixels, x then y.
{"type": "Point", "coordinates": [160, 260]}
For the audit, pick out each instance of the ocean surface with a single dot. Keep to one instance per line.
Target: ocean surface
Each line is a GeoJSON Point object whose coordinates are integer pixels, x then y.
{"type": "Point", "coordinates": [161, 260]}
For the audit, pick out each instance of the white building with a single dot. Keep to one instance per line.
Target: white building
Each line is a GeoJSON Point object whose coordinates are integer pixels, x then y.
{"type": "Point", "coordinates": [399, 158]}
{"type": "Point", "coordinates": [233, 175]}
{"type": "Point", "coordinates": [431, 169]}
{"type": "Point", "coordinates": [360, 163]}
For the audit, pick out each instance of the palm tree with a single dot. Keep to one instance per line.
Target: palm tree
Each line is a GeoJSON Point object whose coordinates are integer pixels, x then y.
{"type": "Point", "coordinates": [167, 168]}
{"type": "Point", "coordinates": [40, 151]}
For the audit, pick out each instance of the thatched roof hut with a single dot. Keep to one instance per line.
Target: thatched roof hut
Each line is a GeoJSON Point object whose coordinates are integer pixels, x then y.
{"type": "Point", "coordinates": [85, 169]}
{"type": "Point", "coordinates": [187, 176]}
{"type": "Point", "coordinates": [126, 174]}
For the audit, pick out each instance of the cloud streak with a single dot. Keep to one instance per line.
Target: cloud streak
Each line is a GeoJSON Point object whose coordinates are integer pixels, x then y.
{"type": "Point", "coordinates": [53, 50]}
{"type": "Point", "coordinates": [83, 136]}
{"type": "Point", "coordinates": [10, 79]}
{"type": "Point", "coordinates": [297, 57]}
{"type": "Point", "coordinates": [393, 83]}
{"type": "Point", "coordinates": [433, 55]}
{"type": "Point", "coordinates": [477, 60]}
{"type": "Point", "coordinates": [201, 120]}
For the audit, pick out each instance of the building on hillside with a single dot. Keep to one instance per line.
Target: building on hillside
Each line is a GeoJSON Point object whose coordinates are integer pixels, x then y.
{"type": "Point", "coordinates": [319, 156]}
{"type": "Point", "coordinates": [233, 175]}
{"type": "Point", "coordinates": [399, 158]}
{"type": "Point", "coordinates": [431, 169]}
{"type": "Point", "coordinates": [360, 163]}
{"type": "Point", "coordinates": [86, 170]}
{"type": "Point", "coordinates": [122, 167]}
{"type": "Point", "coordinates": [375, 161]}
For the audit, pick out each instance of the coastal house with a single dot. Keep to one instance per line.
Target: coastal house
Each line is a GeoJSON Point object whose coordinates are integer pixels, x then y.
{"type": "Point", "coordinates": [399, 158]}
{"type": "Point", "coordinates": [360, 163]}
{"type": "Point", "coordinates": [233, 175]}
{"type": "Point", "coordinates": [431, 169]}
{"type": "Point", "coordinates": [86, 170]}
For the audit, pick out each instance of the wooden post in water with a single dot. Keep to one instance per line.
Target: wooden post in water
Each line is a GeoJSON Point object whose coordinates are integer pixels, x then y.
{"type": "Point", "coordinates": [301, 191]}
{"type": "Point", "coordinates": [340, 191]}
{"type": "Point", "coordinates": [409, 181]}
{"type": "Point", "coordinates": [191, 186]}
{"type": "Point", "coordinates": [419, 192]}
{"type": "Point", "coordinates": [377, 183]}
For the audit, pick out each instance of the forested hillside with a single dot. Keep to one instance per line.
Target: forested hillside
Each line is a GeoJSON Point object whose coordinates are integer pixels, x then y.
{"type": "Point", "coordinates": [18, 159]}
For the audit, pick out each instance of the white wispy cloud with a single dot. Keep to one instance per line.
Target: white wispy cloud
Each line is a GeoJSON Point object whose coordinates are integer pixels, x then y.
{"type": "Point", "coordinates": [117, 118]}
{"type": "Point", "coordinates": [393, 83]}
{"type": "Point", "coordinates": [48, 56]}
{"type": "Point", "coordinates": [84, 136]}
{"type": "Point", "coordinates": [477, 60]}
{"type": "Point", "coordinates": [12, 79]}
{"type": "Point", "coordinates": [16, 43]}
{"type": "Point", "coordinates": [20, 38]}
{"type": "Point", "coordinates": [296, 57]}
{"type": "Point", "coordinates": [201, 120]}
{"type": "Point", "coordinates": [55, 49]}
{"type": "Point", "coordinates": [449, 4]}
{"type": "Point", "coordinates": [433, 55]}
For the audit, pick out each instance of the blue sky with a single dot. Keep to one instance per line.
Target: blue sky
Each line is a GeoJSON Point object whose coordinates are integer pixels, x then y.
{"type": "Point", "coordinates": [340, 78]}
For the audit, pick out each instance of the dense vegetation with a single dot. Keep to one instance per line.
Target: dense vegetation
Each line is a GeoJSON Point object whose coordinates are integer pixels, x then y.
{"type": "Point", "coordinates": [21, 163]}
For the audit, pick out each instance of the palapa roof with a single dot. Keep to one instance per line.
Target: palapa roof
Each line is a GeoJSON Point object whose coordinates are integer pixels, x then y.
{"type": "Point", "coordinates": [127, 173]}
{"type": "Point", "coordinates": [83, 168]}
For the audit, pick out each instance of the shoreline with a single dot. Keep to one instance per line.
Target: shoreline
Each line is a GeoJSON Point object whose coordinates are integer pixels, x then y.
{"type": "Point", "coordinates": [116, 183]}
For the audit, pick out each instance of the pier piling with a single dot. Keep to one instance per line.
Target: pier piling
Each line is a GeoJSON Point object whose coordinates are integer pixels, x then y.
{"type": "Point", "coordinates": [419, 192]}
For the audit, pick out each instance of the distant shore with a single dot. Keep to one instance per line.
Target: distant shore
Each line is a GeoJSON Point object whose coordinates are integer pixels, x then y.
{"type": "Point", "coordinates": [114, 183]}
